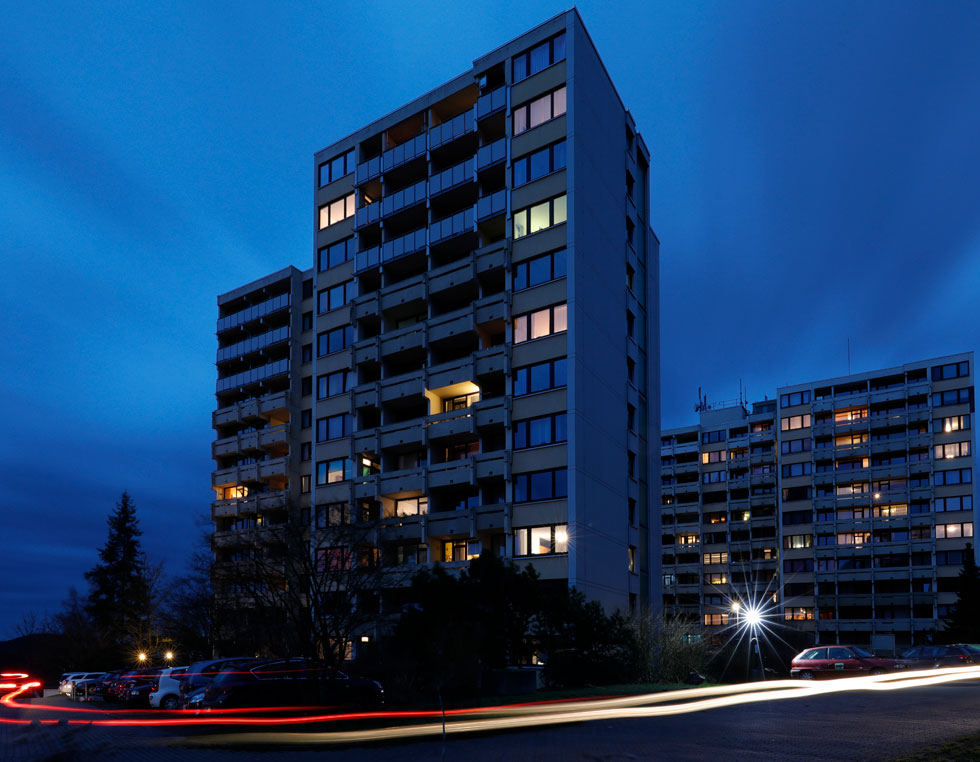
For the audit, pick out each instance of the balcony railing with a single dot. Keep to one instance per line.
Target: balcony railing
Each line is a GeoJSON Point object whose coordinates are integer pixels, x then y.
{"type": "Point", "coordinates": [254, 375]}
{"type": "Point", "coordinates": [406, 197]}
{"type": "Point", "coordinates": [254, 312]}
{"type": "Point", "coordinates": [489, 206]}
{"type": "Point", "coordinates": [491, 154]}
{"type": "Point", "coordinates": [254, 344]}
{"type": "Point", "coordinates": [456, 224]}
{"type": "Point", "coordinates": [368, 170]}
{"type": "Point", "coordinates": [447, 131]}
{"type": "Point", "coordinates": [407, 151]}
{"type": "Point", "coordinates": [367, 215]}
{"type": "Point", "coordinates": [403, 245]}
{"type": "Point", "coordinates": [491, 102]}
{"type": "Point", "coordinates": [452, 177]}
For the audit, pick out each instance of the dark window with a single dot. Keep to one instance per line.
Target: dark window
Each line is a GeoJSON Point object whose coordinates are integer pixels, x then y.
{"type": "Point", "coordinates": [333, 427]}
{"type": "Point", "coordinates": [535, 432]}
{"type": "Point", "coordinates": [539, 57]}
{"type": "Point", "coordinates": [335, 340]}
{"type": "Point", "coordinates": [952, 397]}
{"type": "Point", "coordinates": [306, 451]}
{"type": "Point", "coordinates": [335, 297]}
{"type": "Point", "coordinates": [795, 398]}
{"type": "Point", "coordinates": [542, 162]}
{"type": "Point", "coordinates": [952, 370]}
{"type": "Point", "coordinates": [540, 485]}
{"type": "Point", "coordinates": [307, 353]}
{"type": "Point", "coordinates": [795, 445]}
{"type": "Point", "coordinates": [534, 272]}
{"type": "Point", "coordinates": [710, 437]}
{"type": "Point", "coordinates": [306, 386]}
{"type": "Point", "coordinates": [332, 384]}
{"type": "Point", "coordinates": [308, 288]}
{"type": "Point", "coordinates": [337, 167]}
{"type": "Point", "coordinates": [306, 419]}
{"type": "Point", "coordinates": [539, 377]}
{"type": "Point", "coordinates": [336, 254]}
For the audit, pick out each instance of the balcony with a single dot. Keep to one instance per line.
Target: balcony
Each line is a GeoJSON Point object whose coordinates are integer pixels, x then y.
{"type": "Point", "coordinates": [404, 245]}
{"type": "Point", "coordinates": [367, 351]}
{"type": "Point", "coordinates": [488, 155]}
{"type": "Point", "coordinates": [249, 409]}
{"type": "Point", "coordinates": [271, 468]}
{"type": "Point", "coordinates": [261, 503]}
{"type": "Point", "coordinates": [408, 480]}
{"type": "Point", "coordinates": [454, 177]}
{"type": "Point", "coordinates": [254, 344]}
{"type": "Point", "coordinates": [491, 206]}
{"type": "Point", "coordinates": [493, 360]}
{"type": "Point", "coordinates": [451, 275]}
{"type": "Point", "coordinates": [253, 376]}
{"type": "Point", "coordinates": [449, 227]}
{"type": "Point", "coordinates": [492, 412]}
{"type": "Point", "coordinates": [452, 473]}
{"type": "Point", "coordinates": [492, 464]}
{"type": "Point", "coordinates": [403, 293]}
{"type": "Point", "coordinates": [400, 154]}
{"type": "Point", "coordinates": [411, 385]}
{"type": "Point", "coordinates": [447, 524]}
{"type": "Point", "coordinates": [454, 424]}
{"type": "Point", "coordinates": [367, 215]}
{"type": "Point", "coordinates": [254, 312]}
{"type": "Point", "coordinates": [253, 440]}
{"type": "Point", "coordinates": [400, 434]}
{"type": "Point", "coordinates": [403, 340]}
{"type": "Point", "coordinates": [452, 129]}
{"type": "Point", "coordinates": [403, 199]}
{"type": "Point", "coordinates": [368, 170]}
{"type": "Point", "coordinates": [491, 103]}
{"type": "Point", "coordinates": [450, 325]}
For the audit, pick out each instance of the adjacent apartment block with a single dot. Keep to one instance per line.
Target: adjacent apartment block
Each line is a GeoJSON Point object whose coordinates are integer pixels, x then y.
{"type": "Point", "coordinates": [471, 363]}
{"type": "Point", "coordinates": [843, 506]}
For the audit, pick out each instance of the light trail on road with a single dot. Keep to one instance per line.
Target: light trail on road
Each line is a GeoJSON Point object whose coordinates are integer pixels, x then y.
{"type": "Point", "coordinates": [505, 717]}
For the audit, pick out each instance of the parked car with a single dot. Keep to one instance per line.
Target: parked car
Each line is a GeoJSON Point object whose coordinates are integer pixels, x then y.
{"type": "Point", "coordinates": [83, 688]}
{"type": "Point", "coordinates": [165, 693]}
{"type": "Point", "coordinates": [72, 686]}
{"type": "Point", "coordinates": [118, 689]}
{"type": "Point", "coordinates": [201, 673]}
{"type": "Point", "coordinates": [934, 657]}
{"type": "Point", "coordinates": [285, 682]}
{"type": "Point", "coordinates": [64, 687]}
{"type": "Point", "coordinates": [840, 661]}
{"type": "Point", "coordinates": [136, 689]}
{"type": "Point", "coordinates": [193, 700]}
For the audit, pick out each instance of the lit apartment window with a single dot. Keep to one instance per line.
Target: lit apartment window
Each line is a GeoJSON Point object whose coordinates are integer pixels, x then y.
{"type": "Point", "coordinates": [715, 558]}
{"type": "Point", "coordinates": [846, 416]}
{"type": "Point", "coordinates": [535, 432]}
{"type": "Point", "coordinates": [539, 541]}
{"type": "Point", "coordinates": [332, 471]}
{"type": "Point", "coordinates": [631, 559]}
{"type": "Point", "coordinates": [336, 211]}
{"type": "Point", "coordinates": [539, 111]}
{"type": "Point", "coordinates": [542, 162]}
{"type": "Point", "coordinates": [952, 531]}
{"type": "Point", "coordinates": [540, 216]}
{"type": "Point", "coordinates": [460, 402]}
{"type": "Point", "coordinates": [716, 578]}
{"type": "Point", "coordinates": [459, 550]}
{"type": "Point", "coordinates": [688, 539]}
{"type": "Point", "coordinates": [794, 541]}
{"type": "Point", "coordinates": [541, 485]}
{"type": "Point", "coordinates": [718, 456]}
{"type": "Point", "coordinates": [337, 167]}
{"type": "Point", "coordinates": [715, 620]}
{"type": "Point", "coordinates": [412, 506]}
{"type": "Point", "coordinates": [951, 424]}
{"type": "Point", "coordinates": [539, 58]}
{"type": "Point", "coordinates": [792, 422]}
{"type": "Point", "coordinates": [952, 450]}
{"type": "Point", "coordinates": [540, 377]}
{"type": "Point", "coordinates": [336, 254]}
{"type": "Point", "coordinates": [798, 613]}
{"type": "Point", "coordinates": [334, 559]}
{"type": "Point", "coordinates": [540, 323]}
{"type": "Point", "coordinates": [332, 384]}
{"type": "Point", "coordinates": [305, 484]}
{"type": "Point", "coordinates": [235, 493]}
{"type": "Point", "coordinates": [541, 269]}
{"type": "Point", "coordinates": [335, 297]}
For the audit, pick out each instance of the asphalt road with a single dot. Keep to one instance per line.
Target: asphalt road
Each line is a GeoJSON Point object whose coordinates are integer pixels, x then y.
{"type": "Point", "coordinates": [841, 726]}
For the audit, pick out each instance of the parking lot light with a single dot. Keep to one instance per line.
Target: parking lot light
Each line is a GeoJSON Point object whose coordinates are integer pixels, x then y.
{"type": "Point", "coordinates": [169, 656]}
{"type": "Point", "coordinates": [141, 657]}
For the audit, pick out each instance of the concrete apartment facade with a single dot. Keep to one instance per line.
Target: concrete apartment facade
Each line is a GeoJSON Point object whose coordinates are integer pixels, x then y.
{"type": "Point", "coordinates": [843, 507]}
{"type": "Point", "coordinates": [471, 364]}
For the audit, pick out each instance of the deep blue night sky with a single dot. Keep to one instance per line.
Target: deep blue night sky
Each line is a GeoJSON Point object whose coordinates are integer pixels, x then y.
{"type": "Point", "coordinates": [816, 176]}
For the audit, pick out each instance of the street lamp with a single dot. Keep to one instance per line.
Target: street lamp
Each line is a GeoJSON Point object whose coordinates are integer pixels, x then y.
{"type": "Point", "coordinates": [141, 657]}
{"type": "Point", "coordinates": [169, 656]}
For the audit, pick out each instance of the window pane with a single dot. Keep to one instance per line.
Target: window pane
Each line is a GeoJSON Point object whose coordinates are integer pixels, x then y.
{"type": "Point", "coordinates": [520, 67]}
{"type": "Point", "coordinates": [520, 172]}
{"type": "Point", "coordinates": [540, 540]}
{"type": "Point", "coordinates": [541, 486]}
{"type": "Point", "coordinates": [540, 270]}
{"type": "Point", "coordinates": [540, 323]}
{"type": "Point", "coordinates": [540, 164]}
{"type": "Point", "coordinates": [561, 431]}
{"type": "Point", "coordinates": [559, 267]}
{"type": "Point", "coordinates": [520, 276]}
{"type": "Point", "coordinates": [561, 378]}
{"type": "Point", "coordinates": [561, 538]}
{"type": "Point", "coordinates": [324, 216]}
{"type": "Point", "coordinates": [520, 488]}
{"type": "Point", "coordinates": [336, 211]}
{"type": "Point", "coordinates": [540, 432]}
{"type": "Point", "coordinates": [539, 218]}
{"type": "Point", "coordinates": [559, 43]}
{"type": "Point", "coordinates": [349, 209]}
{"type": "Point", "coordinates": [324, 174]}
{"type": "Point", "coordinates": [559, 96]}
{"type": "Point", "coordinates": [561, 483]}
{"type": "Point", "coordinates": [520, 542]}
{"type": "Point", "coordinates": [337, 168]}
{"type": "Point", "coordinates": [520, 329]}
{"type": "Point", "coordinates": [520, 120]}
{"type": "Point", "coordinates": [539, 57]}
{"type": "Point", "coordinates": [558, 155]}
{"type": "Point", "coordinates": [520, 224]}
{"type": "Point", "coordinates": [520, 382]}
{"type": "Point", "coordinates": [561, 318]}
{"type": "Point", "coordinates": [540, 377]}
{"type": "Point", "coordinates": [540, 111]}
{"type": "Point", "coordinates": [520, 435]}
{"type": "Point", "coordinates": [560, 214]}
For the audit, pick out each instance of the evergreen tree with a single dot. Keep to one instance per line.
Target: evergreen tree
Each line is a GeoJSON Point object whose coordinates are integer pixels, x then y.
{"type": "Point", "coordinates": [119, 597]}
{"type": "Point", "coordinates": [963, 624]}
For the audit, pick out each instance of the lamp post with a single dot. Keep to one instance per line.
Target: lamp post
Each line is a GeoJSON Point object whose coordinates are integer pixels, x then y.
{"type": "Point", "coordinates": [753, 618]}
{"type": "Point", "coordinates": [169, 656]}
{"type": "Point", "coordinates": [142, 657]}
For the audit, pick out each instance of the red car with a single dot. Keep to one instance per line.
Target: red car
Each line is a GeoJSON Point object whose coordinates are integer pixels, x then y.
{"type": "Point", "coordinates": [840, 661]}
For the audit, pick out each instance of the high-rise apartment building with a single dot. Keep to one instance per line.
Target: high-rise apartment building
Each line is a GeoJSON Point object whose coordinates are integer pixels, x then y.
{"type": "Point", "coordinates": [471, 364]}
{"type": "Point", "coordinates": [843, 506]}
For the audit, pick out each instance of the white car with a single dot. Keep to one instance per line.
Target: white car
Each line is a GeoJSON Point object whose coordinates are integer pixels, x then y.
{"type": "Point", "coordinates": [64, 687]}
{"type": "Point", "coordinates": [74, 683]}
{"type": "Point", "coordinates": [165, 693]}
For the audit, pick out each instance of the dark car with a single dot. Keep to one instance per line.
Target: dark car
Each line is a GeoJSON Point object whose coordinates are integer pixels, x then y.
{"type": "Point", "coordinates": [283, 683]}
{"type": "Point", "coordinates": [840, 661]}
{"type": "Point", "coordinates": [137, 689]}
{"type": "Point", "coordinates": [934, 657]}
{"type": "Point", "coordinates": [200, 674]}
